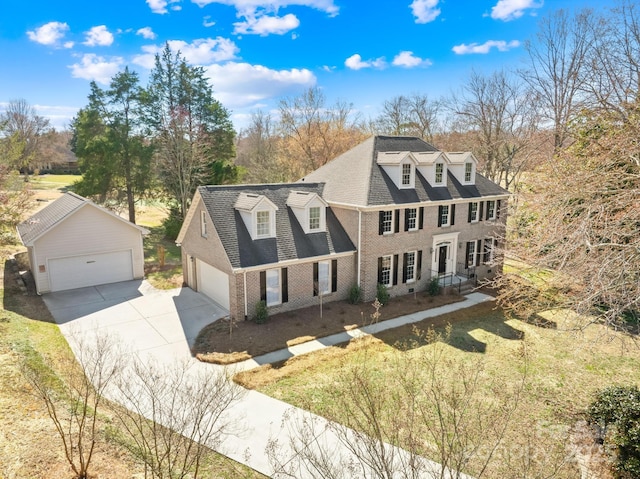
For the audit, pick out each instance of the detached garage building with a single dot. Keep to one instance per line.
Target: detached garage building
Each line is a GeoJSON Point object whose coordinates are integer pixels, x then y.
{"type": "Point", "coordinates": [73, 243]}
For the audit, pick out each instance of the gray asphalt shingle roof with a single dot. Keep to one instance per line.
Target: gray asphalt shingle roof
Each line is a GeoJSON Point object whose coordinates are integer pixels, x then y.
{"type": "Point", "coordinates": [355, 177]}
{"type": "Point", "coordinates": [290, 243]}
{"type": "Point", "coordinates": [47, 217]}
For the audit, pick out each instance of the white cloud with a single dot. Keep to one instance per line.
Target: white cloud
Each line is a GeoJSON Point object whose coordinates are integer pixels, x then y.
{"type": "Point", "coordinates": [50, 34]}
{"type": "Point", "coordinates": [511, 9]}
{"type": "Point", "coordinates": [203, 51]}
{"type": "Point", "coordinates": [265, 25]}
{"type": "Point", "coordinates": [501, 45]}
{"type": "Point", "coordinates": [249, 7]}
{"type": "Point", "coordinates": [146, 32]}
{"type": "Point", "coordinates": [408, 60]}
{"type": "Point", "coordinates": [238, 85]}
{"type": "Point", "coordinates": [98, 36]}
{"type": "Point", "coordinates": [355, 62]}
{"type": "Point", "coordinates": [207, 22]}
{"type": "Point", "coordinates": [425, 11]}
{"type": "Point", "coordinates": [94, 67]}
{"type": "Point", "coordinates": [160, 6]}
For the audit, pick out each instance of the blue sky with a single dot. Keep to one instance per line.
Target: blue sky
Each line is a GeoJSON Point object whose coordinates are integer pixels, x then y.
{"type": "Point", "coordinates": [258, 51]}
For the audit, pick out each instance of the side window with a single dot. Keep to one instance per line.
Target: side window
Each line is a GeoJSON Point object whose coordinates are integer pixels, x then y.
{"type": "Point", "coordinates": [203, 223]}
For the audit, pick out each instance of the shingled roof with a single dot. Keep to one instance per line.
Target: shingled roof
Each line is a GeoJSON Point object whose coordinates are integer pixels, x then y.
{"type": "Point", "coordinates": [355, 178]}
{"type": "Point", "coordinates": [52, 214]}
{"type": "Point", "coordinates": [290, 243]}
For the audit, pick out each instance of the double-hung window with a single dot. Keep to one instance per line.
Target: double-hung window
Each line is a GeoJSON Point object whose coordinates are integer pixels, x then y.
{"type": "Point", "coordinates": [491, 210]}
{"type": "Point", "coordinates": [411, 219]}
{"type": "Point", "coordinates": [473, 212]}
{"type": "Point", "coordinates": [410, 267]}
{"type": "Point", "coordinates": [387, 221]}
{"type": "Point", "coordinates": [439, 173]}
{"type": "Point", "coordinates": [406, 174]}
{"type": "Point", "coordinates": [386, 264]}
{"type": "Point", "coordinates": [314, 218]}
{"type": "Point", "coordinates": [468, 169]}
{"type": "Point", "coordinates": [324, 273]}
{"type": "Point", "coordinates": [274, 291]}
{"type": "Point", "coordinates": [471, 253]}
{"type": "Point", "coordinates": [263, 223]}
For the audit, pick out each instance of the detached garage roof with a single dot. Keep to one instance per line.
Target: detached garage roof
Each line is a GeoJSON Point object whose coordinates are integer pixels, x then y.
{"type": "Point", "coordinates": [51, 215]}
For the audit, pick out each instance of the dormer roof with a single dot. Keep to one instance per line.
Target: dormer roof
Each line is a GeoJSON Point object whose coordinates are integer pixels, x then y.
{"type": "Point", "coordinates": [301, 199]}
{"type": "Point", "coordinates": [250, 202]}
{"type": "Point", "coordinates": [428, 158]}
{"type": "Point", "coordinates": [460, 157]}
{"type": "Point", "coordinates": [395, 157]}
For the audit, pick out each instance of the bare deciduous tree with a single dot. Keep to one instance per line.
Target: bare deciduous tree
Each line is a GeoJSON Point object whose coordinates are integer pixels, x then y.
{"type": "Point", "coordinates": [73, 394]}
{"type": "Point", "coordinates": [413, 115]}
{"type": "Point", "coordinates": [174, 414]}
{"type": "Point", "coordinates": [557, 67]}
{"type": "Point", "coordinates": [258, 150]}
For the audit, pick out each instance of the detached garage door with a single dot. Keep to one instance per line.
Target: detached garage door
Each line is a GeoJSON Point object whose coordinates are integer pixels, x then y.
{"type": "Point", "coordinates": [213, 282]}
{"type": "Point", "coordinates": [90, 270]}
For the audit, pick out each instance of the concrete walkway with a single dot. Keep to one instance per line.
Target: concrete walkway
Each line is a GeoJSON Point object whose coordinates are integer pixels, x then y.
{"type": "Point", "coordinates": [160, 325]}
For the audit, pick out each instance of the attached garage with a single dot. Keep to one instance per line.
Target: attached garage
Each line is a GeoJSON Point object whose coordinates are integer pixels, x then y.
{"type": "Point", "coordinates": [73, 243]}
{"type": "Point", "coordinates": [213, 282]}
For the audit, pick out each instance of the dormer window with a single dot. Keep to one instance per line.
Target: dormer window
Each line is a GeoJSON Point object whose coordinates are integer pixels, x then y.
{"type": "Point", "coordinates": [406, 174]}
{"type": "Point", "coordinates": [468, 170]}
{"type": "Point", "coordinates": [263, 224]}
{"type": "Point", "coordinates": [439, 173]}
{"type": "Point", "coordinates": [314, 218]}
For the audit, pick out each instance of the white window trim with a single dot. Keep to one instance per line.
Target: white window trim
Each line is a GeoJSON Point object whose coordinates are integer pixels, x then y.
{"type": "Point", "coordinates": [412, 279]}
{"type": "Point", "coordinates": [472, 253]}
{"type": "Point", "coordinates": [327, 288]}
{"type": "Point", "coordinates": [435, 173]}
{"type": "Point", "coordinates": [412, 176]}
{"type": "Point", "coordinates": [477, 218]}
{"type": "Point", "coordinates": [448, 223]}
{"type": "Point", "coordinates": [390, 282]}
{"type": "Point", "coordinates": [203, 223]}
{"type": "Point", "coordinates": [320, 219]}
{"type": "Point", "coordinates": [470, 165]}
{"type": "Point", "coordinates": [490, 240]}
{"type": "Point", "coordinates": [270, 272]}
{"type": "Point", "coordinates": [391, 222]}
{"type": "Point", "coordinates": [269, 233]}
{"type": "Point", "coordinates": [415, 219]}
{"type": "Point", "coordinates": [493, 215]}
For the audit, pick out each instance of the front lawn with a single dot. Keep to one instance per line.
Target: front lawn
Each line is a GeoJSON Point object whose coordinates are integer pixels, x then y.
{"type": "Point", "coordinates": [562, 370]}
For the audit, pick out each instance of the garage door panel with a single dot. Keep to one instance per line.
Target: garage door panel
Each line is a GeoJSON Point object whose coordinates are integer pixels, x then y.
{"type": "Point", "coordinates": [90, 270]}
{"type": "Point", "coordinates": [213, 283]}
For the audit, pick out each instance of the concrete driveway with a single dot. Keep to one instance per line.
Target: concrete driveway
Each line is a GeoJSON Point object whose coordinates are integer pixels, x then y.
{"type": "Point", "coordinates": [162, 322]}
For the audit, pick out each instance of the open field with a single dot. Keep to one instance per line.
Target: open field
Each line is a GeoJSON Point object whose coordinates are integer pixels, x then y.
{"type": "Point", "coordinates": [562, 372]}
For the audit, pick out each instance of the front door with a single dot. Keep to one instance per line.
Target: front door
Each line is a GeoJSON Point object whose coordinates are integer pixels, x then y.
{"type": "Point", "coordinates": [442, 258]}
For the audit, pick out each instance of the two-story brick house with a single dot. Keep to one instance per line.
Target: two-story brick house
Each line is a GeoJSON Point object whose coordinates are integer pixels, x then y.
{"type": "Point", "coordinates": [392, 210]}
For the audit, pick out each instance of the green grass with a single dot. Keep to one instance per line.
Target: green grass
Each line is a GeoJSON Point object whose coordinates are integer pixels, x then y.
{"type": "Point", "coordinates": [53, 182]}
{"type": "Point", "coordinates": [564, 370]}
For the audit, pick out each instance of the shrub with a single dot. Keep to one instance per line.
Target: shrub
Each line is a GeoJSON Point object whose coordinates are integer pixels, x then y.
{"type": "Point", "coordinates": [262, 313]}
{"type": "Point", "coordinates": [433, 288]}
{"type": "Point", "coordinates": [172, 224]}
{"type": "Point", "coordinates": [355, 294]}
{"type": "Point", "coordinates": [383, 293]}
{"type": "Point", "coordinates": [616, 410]}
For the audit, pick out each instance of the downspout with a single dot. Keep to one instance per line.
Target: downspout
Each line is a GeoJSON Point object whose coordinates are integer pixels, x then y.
{"type": "Point", "coordinates": [244, 287]}
{"type": "Point", "coordinates": [359, 244]}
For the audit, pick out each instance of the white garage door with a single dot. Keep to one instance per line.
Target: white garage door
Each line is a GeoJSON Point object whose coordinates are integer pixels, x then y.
{"type": "Point", "coordinates": [213, 282]}
{"type": "Point", "coordinates": [90, 270]}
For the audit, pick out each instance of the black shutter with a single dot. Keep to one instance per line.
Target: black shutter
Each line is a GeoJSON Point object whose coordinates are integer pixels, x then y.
{"type": "Point", "coordinates": [466, 257]}
{"type": "Point", "coordinates": [439, 216]}
{"type": "Point", "coordinates": [263, 285]}
{"type": "Point", "coordinates": [481, 208]}
{"type": "Point", "coordinates": [334, 275]}
{"type": "Point", "coordinates": [453, 215]}
{"type": "Point", "coordinates": [404, 267]}
{"type": "Point", "coordinates": [469, 216]}
{"type": "Point", "coordinates": [397, 220]}
{"type": "Point", "coordinates": [419, 266]}
{"type": "Point", "coordinates": [406, 219]}
{"type": "Point", "coordinates": [380, 270]}
{"type": "Point", "coordinates": [285, 285]}
{"type": "Point", "coordinates": [395, 269]}
{"type": "Point", "coordinates": [497, 209]}
{"type": "Point", "coordinates": [421, 220]}
{"type": "Point", "coordinates": [316, 285]}
{"type": "Point", "coordinates": [478, 251]}
{"type": "Point", "coordinates": [381, 221]}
